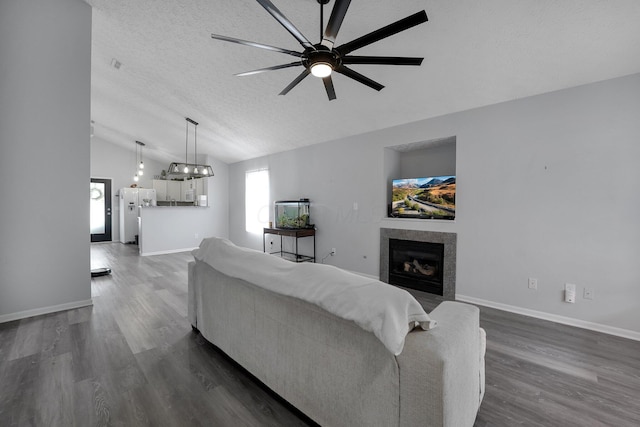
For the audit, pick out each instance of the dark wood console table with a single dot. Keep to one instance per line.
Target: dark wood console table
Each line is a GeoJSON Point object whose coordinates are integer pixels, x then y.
{"type": "Point", "coordinates": [295, 233]}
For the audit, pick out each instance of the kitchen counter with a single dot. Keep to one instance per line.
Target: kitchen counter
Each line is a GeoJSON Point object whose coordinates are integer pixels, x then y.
{"type": "Point", "coordinates": [169, 229]}
{"type": "Point", "coordinates": [169, 204]}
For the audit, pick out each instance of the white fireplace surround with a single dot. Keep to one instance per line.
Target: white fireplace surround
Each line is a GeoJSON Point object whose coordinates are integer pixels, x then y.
{"type": "Point", "coordinates": [449, 263]}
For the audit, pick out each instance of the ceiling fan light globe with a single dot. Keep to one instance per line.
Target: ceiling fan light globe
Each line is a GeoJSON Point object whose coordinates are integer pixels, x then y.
{"type": "Point", "coordinates": [321, 69]}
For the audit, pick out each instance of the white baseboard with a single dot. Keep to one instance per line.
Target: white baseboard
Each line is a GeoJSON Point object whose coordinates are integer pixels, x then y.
{"type": "Point", "coordinates": [598, 327]}
{"type": "Point", "coordinates": [172, 251]}
{"type": "Point", "coordinates": [44, 310]}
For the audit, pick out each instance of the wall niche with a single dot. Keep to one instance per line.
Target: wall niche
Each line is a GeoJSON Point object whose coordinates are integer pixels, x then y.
{"type": "Point", "coordinates": [434, 157]}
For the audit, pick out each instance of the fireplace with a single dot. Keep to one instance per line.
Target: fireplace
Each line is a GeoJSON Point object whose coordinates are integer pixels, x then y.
{"type": "Point", "coordinates": [416, 265]}
{"type": "Point", "coordinates": [423, 260]}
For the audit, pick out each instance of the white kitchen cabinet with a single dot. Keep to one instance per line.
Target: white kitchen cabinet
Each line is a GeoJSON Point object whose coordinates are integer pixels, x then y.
{"type": "Point", "coordinates": [188, 190]}
{"type": "Point", "coordinates": [201, 187]}
{"type": "Point", "coordinates": [160, 185]}
{"type": "Point", "coordinates": [182, 191]}
{"type": "Point", "coordinates": [174, 190]}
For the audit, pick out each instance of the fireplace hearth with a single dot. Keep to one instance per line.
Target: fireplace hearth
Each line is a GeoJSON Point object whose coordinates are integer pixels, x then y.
{"type": "Point", "coordinates": [422, 260]}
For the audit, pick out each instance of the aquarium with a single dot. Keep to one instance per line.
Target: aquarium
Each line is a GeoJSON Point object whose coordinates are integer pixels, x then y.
{"type": "Point", "coordinates": [292, 214]}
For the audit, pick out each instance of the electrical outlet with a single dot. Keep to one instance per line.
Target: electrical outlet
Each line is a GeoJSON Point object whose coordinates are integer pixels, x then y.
{"type": "Point", "coordinates": [569, 293]}
{"type": "Point", "coordinates": [587, 293]}
{"type": "Point", "coordinates": [533, 283]}
{"type": "Point", "coordinates": [333, 251]}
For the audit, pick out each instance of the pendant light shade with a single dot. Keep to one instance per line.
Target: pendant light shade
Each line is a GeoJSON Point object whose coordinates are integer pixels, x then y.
{"type": "Point", "coordinates": [186, 170]}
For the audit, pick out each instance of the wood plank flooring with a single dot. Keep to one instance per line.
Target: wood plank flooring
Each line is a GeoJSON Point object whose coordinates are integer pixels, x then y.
{"type": "Point", "coordinates": [132, 359]}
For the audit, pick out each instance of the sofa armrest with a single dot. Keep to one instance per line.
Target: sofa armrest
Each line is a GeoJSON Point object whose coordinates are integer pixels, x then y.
{"type": "Point", "coordinates": [440, 369]}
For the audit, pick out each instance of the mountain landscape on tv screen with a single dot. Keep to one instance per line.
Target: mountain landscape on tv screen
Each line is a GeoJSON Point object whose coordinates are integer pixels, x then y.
{"type": "Point", "coordinates": [424, 198]}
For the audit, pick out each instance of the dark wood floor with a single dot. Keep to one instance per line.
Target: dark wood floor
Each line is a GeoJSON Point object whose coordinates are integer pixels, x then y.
{"type": "Point", "coordinates": [132, 359]}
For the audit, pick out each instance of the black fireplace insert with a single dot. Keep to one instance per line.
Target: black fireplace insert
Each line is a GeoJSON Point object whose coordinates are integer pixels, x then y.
{"type": "Point", "coordinates": [416, 265]}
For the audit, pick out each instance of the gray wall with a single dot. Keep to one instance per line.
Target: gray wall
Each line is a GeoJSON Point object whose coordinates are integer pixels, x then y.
{"type": "Point", "coordinates": [45, 47]}
{"type": "Point", "coordinates": [547, 187]}
{"type": "Point", "coordinates": [218, 187]}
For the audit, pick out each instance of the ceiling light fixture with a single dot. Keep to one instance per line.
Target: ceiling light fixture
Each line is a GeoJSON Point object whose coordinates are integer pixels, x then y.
{"type": "Point", "coordinates": [321, 69]}
{"type": "Point", "coordinates": [139, 166]}
{"type": "Point", "coordinates": [136, 178]}
{"type": "Point", "coordinates": [188, 170]}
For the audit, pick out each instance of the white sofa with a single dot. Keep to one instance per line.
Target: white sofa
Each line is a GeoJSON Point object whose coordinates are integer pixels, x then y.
{"type": "Point", "coordinates": [328, 367]}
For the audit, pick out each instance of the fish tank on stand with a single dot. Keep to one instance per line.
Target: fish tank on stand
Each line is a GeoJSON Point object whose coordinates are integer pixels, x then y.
{"type": "Point", "coordinates": [291, 220]}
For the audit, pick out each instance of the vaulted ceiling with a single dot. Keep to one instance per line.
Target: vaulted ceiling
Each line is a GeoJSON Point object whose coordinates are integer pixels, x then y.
{"type": "Point", "coordinates": [476, 53]}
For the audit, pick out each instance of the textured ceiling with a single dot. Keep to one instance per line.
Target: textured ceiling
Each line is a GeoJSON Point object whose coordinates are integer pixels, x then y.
{"type": "Point", "coordinates": [476, 53]}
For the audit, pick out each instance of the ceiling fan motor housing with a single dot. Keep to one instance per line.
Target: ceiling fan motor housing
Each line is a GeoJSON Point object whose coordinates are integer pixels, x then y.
{"type": "Point", "coordinates": [321, 55]}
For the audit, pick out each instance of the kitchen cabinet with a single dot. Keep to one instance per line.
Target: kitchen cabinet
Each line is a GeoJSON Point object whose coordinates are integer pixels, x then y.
{"type": "Point", "coordinates": [160, 185]}
{"type": "Point", "coordinates": [188, 190]}
{"type": "Point", "coordinates": [201, 187]}
{"type": "Point", "coordinates": [174, 190]}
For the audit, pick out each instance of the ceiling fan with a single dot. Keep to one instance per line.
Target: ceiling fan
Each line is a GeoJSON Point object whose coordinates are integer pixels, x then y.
{"type": "Point", "coordinates": [321, 59]}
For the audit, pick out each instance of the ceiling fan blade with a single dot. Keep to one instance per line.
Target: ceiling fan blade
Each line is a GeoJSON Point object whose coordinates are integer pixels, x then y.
{"type": "Point", "coordinates": [293, 84]}
{"type": "Point", "coordinates": [254, 44]}
{"type": "Point", "coordinates": [389, 30]}
{"type": "Point", "coordinates": [381, 60]}
{"type": "Point", "coordinates": [335, 21]}
{"type": "Point", "coordinates": [359, 77]}
{"type": "Point", "coordinates": [273, 10]}
{"type": "Point", "coordinates": [328, 85]}
{"type": "Point", "coordinates": [275, 67]}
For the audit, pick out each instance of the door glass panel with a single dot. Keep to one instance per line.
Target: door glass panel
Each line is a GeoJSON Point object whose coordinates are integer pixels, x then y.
{"type": "Point", "coordinates": [97, 208]}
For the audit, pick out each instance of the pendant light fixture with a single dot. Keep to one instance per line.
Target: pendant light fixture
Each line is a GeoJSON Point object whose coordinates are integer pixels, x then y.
{"type": "Point", "coordinates": [136, 178]}
{"type": "Point", "coordinates": [188, 170]}
{"type": "Point", "coordinates": [139, 166]}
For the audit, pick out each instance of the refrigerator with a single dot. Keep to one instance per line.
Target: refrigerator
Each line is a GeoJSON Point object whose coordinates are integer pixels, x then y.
{"type": "Point", "coordinates": [130, 201]}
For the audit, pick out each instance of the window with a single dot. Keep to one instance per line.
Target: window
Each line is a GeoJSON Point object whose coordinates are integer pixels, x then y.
{"type": "Point", "coordinates": [256, 200]}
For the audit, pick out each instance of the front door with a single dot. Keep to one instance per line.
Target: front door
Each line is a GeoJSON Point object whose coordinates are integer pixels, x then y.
{"type": "Point", "coordinates": [100, 202]}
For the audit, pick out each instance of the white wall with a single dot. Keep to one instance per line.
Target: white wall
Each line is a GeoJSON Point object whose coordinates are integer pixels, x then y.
{"type": "Point", "coordinates": [45, 72]}
{"type": "Point", "coordinates": [547, 187]}
{"type": "Point", "coordinates": [117, 163]}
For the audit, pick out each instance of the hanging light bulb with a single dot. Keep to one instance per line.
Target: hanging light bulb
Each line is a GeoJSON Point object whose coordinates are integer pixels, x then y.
{"type": "Point", "coordinates": [195, 169]}
{"type": "Point", "coordinates": [186, 169]}
{"type": "Point", "coordinates": [140, 172]}
{"type": "Point", "coordinates": [135, 178]}
{"type": "Point", "coordinates": [205, 171]}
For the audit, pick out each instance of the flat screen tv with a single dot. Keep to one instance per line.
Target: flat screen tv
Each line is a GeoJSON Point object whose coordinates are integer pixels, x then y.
{"type": "Point", "coordinates": [432, 197]}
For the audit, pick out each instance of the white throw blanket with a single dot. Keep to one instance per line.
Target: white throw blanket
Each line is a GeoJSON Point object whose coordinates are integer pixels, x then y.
{"type": "Point", "coordinates": [386, 311]}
